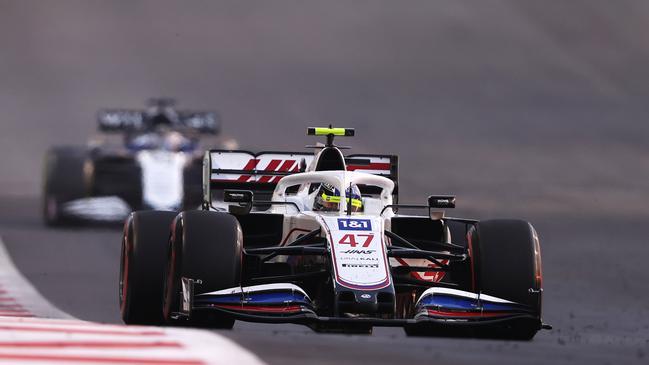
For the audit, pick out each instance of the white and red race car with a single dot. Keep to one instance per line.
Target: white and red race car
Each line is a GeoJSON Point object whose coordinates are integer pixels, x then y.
{"type": "Point", "coordinates": [319, 239]}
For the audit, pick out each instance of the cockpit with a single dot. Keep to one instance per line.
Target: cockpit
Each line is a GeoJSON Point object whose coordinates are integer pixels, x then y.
{"type": "Point", "coordinates": [334, 192]}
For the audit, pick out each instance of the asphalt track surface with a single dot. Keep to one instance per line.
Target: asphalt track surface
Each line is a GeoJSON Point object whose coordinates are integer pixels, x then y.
{"type": "Point", "coordinates": [522, 108]}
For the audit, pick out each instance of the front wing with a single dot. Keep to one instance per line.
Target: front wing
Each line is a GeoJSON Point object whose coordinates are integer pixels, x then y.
{"type": "Point", "coordinates": [439, 311]}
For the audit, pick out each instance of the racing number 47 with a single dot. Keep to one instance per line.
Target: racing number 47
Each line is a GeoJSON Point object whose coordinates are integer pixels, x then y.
{"type": "Point", "coordinates": [350, 239]}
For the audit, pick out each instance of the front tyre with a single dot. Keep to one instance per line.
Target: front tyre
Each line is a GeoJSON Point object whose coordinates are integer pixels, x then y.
{"type": "Point", "coordinates": [204, 246]}
{"type": "Point", "coordinates": [506, 261]}
{"type": "Point", "coordinates": [143, 259]}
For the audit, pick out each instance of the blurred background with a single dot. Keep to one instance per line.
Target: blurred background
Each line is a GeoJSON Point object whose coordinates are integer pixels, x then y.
{"type": "Point", "coordinates": [516, 105]}
{"type": "Point", "coordinates": [532, 109]}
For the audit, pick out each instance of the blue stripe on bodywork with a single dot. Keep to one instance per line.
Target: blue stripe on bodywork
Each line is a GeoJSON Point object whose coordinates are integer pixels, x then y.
{"type": "Point", "coordinates": [255, 298]}
{"type": "Point", "coordinates": [449, 302]}
{"type": "Point", "coordinates": [218, 299]}
{"type": "Point", "coordinates": [269, 298]}
{"type": "Point", "coordinates": [452, 302]}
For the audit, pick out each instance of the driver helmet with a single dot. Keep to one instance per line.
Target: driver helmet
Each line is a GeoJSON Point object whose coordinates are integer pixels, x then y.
{"type": "Point", "coordinates": [175, 141]}
{"type": "Point", "coordinates": [328, 198]}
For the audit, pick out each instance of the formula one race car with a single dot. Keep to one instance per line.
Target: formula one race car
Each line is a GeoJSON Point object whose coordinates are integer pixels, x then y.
{"type": "Point", "coordinates": [156, 166]}
{"type": "Point", "coordinates": [289, 237]}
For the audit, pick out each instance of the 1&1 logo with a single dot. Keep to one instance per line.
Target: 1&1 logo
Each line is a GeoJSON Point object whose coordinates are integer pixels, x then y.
{"type": "Point", "coordinates": [348, 224]}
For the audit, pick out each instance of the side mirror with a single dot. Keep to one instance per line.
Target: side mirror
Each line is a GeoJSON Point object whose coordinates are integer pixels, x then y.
{"type": "Point", "coordinates": [441, 201]}
{"type": "Point", "coordinates": [242, 198]}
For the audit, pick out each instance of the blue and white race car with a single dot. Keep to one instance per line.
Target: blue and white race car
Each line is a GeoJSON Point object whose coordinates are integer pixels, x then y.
{"type": "Point", "coordinates": [319, 239]}
{"type": "Point", "coordinates": [156, 165]}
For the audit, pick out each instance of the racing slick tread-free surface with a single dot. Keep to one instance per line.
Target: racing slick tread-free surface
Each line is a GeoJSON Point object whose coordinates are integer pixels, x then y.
{"type": "Point", "coordinates": [144, 254]}
{"type": "Point", "coordinates": [64, 180]}
{"type": "Point", "coordinates": [506, 265]}
{"type": "Point", "coordinates": [193, 184]}
{"type": "Point", "coordinates": [205, 246]}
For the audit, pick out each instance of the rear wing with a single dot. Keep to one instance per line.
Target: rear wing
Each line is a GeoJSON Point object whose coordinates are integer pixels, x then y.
{"type": "Point", "coordinates": [118, 120]}
{"type": "Point", "coordinates": [244, 170]}
{"type": "Point", "coordinates": [381, 165]}
{"type": "Point", "coordinates": [260, 172]}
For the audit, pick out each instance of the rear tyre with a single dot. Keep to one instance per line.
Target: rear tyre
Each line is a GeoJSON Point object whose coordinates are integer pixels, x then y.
{"type": "Point", "coordinates": [143, 259]}
{"type": "Point", "coordinates": [506, 261]}
{"type": "Point", "coordinates": [193, 185]}
{"type": "Point", "coordinates": [205, 246]}
{"type": "Point", "coordinates": [64, 179]}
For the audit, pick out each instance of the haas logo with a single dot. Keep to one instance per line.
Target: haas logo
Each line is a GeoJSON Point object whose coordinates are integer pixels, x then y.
{"type": "Point", "coordinates": [359, 252]}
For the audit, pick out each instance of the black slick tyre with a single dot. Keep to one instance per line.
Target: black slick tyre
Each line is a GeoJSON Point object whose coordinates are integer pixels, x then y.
{"type": "Point", "coordinates": [506, 263]}
{"type": "Point", "coordinates": [193, 185]}
{"type": "Point", "coordinates": [64, 179]}
{"type": "Point", "coordinates": [143, 260]}
{"type": "Point", "coordinates": [205, 246]}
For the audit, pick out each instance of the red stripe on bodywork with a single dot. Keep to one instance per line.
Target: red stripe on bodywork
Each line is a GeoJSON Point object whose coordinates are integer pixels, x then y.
{"type": "Point", "coordinates": [251, 165]}
{"type": "Point", "coordinates": [272, 165]}
{"type": "Point", "coordinates": [286, 166]}
{"type": "Point", "coordinates": [435, 312]}
{"type": "Point", "coordinates": [371, 166]}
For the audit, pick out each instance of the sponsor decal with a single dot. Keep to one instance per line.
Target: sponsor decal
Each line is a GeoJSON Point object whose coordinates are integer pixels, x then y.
{"type": "Point", "coordinates": [349, 224]}
{"type": "Point", "coordinates": [359, 252]}
{"type": "Point", "coordinates": [376, 266]}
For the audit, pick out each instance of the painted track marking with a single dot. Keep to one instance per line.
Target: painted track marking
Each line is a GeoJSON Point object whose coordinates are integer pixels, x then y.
{"type": "Point", "coordinates": [33, 331]}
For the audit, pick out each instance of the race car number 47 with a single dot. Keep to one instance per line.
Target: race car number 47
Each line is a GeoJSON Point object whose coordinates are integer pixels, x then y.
{"type": "Point", "coordinates": [350, 239]}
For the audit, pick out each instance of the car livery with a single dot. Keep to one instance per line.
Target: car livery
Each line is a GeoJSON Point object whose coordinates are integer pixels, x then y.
{"type": "Point", "coordinates": [260, 250]}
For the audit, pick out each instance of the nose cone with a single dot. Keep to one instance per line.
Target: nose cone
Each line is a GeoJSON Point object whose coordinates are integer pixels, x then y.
{"type": "Point", "coordinates": [378, 302]}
